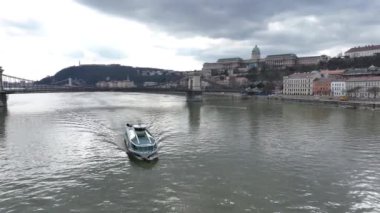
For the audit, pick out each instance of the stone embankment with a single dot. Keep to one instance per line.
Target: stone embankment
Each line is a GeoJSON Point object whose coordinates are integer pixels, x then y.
{"type": "Point", "coordinates": [352, 104]}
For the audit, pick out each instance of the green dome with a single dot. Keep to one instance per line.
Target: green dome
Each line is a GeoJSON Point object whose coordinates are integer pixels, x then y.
{"type": "Point", "coordinates": [256, 50]}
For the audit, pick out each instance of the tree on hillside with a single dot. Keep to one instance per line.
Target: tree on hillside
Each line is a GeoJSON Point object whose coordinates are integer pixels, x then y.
{"type": "Point", "coordinates": [345, 63]}
{"type": "Point", "coordinates": [353, 91]}
{"type": "Point", "coordinates": [93, 73]}
{"type": "Point", "coordinates": [269, 88]}
{"type": "Point", "coordinates": [374, 91]}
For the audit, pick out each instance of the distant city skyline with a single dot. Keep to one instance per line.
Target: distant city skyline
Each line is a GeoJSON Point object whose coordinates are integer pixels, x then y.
{"type": "Point", "coordinates": [40, 37]}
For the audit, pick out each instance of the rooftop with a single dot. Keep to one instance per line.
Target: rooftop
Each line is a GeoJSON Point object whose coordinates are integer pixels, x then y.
{"type": "Point", "coordinates": [304, 75]}
{"type": "Point", "coordinates": [309, 57]}
{"type": "Point", "coordinates": [339, 80]}
{"type": "Point", "coordinates": [229, 59]}
{"type": "Point", "coordinates": [321, 80]}
{"type": "Point", "coordinates": [282, 55]}
{"type": "Point", "coordinates": [364, 48]}
{"type": "Point", "coordinates": [332, 72]}
{"type": "Point", "coordinates": [369, 78]}
{"type": "Point", "coordinates": [372, 70]}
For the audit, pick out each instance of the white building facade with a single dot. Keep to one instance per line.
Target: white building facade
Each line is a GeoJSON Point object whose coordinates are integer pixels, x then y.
{"type": "Point", "coordinates": [300, 83]}
{"type": "Point", "coordinates": [362, 84]}
{"type": "Point", "coordinates": [338, 88]}
{"type": "Point", "coordinates": [116, 84]}
{"type": "Point", "coordinates": [369, 50]}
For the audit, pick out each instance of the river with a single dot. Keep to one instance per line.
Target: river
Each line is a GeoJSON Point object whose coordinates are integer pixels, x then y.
{"type": "Point", "coordinates": [64, 152]}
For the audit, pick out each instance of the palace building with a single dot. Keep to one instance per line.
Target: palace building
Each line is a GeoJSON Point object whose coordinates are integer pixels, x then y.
{"type": "Point", "coordinates": [281, 61]}
{"type": "Point", "coordinates": [236, 65]}
{"type": "Point", "coordinates": [369, 50]}
{"type": "Point", "coordinates": [230, 66]}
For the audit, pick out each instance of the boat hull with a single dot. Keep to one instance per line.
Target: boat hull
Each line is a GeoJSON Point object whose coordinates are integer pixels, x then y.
{"type": "Point", "coordinates": [140, 155]}
{"type": "Point", "coordinates": [137, 156]}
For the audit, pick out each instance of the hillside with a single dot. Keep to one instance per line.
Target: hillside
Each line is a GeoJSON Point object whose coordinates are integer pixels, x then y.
{"type": "Point", "coordinates": [91, 74]}
{"type": "Point", "coordinates": [270, 74]}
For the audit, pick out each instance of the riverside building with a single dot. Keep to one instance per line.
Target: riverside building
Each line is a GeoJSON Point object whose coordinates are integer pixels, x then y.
{"type": "Point", "coordinates": [322, 86]}
{"type": "Point", "coordinates": [115, 84]}
{"type": "Point", "coordinates": [338, 88]}
{"type": "Point", "coordinates": [360, 87]}
{"type": "Point", "coordinates": [300, 83]}
{"type": "Point", "coordinates": [359, 72]}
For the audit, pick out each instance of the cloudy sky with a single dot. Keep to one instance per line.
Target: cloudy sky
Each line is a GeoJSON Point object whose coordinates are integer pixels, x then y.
{"type": "Point", "coordinates": [40, 37]}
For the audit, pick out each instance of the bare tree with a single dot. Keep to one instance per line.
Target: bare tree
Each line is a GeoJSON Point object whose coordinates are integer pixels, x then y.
{"type": "Point", "coordinates": [353, 91]}
{"type": "Point", "coordinates": [374, 91]}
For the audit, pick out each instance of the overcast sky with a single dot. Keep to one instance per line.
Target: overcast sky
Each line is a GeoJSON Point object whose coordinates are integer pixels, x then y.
{"type": "Point", "coordinates": [40, 37]}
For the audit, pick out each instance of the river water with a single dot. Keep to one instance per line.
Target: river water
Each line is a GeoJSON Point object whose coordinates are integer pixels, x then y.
{"type": "Point", "coordinates": [65, 153]}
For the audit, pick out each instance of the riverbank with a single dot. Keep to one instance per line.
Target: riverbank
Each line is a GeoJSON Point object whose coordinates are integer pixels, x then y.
{"type": "Point", "coordinates": [315, 100]}
{"type": "Point", "coordinates": [351, 104]}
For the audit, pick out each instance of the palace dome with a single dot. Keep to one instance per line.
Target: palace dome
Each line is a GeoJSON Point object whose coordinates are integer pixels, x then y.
{"type": "Point", "coordinates": [256, 50]}
{"type": "Point", "coordinates": [255, 55]}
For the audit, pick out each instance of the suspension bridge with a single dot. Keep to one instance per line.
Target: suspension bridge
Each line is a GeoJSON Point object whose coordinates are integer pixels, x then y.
{"type": "Point", "coordinates": [11, 85]}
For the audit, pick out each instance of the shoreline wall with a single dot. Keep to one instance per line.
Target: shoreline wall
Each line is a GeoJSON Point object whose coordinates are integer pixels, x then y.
{"type": "Point", "coordinates": [344, 104]}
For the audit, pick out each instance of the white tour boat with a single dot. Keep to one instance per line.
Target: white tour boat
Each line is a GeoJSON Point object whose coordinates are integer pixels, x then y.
{"type": "Point", "coordinates": [140, 143]}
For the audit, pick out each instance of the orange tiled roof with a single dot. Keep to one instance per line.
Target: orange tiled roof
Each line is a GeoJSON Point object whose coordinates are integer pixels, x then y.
{"type": "Point", "coordinates": [332, 72]}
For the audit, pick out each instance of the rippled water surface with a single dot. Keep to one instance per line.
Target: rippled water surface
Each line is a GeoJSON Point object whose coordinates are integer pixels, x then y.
{"type": "Point", "coordinates": [65, 153]}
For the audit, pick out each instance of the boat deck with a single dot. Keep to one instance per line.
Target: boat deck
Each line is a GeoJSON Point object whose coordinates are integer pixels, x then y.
{"type": "Point", "coordinates": [144, 140]}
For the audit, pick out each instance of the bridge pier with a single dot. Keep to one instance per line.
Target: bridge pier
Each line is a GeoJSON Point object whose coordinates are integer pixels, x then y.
{"type": "Point", "coordinates": [194, 92]}
{"type": "Point", "coordinates": [3, 99]}
{"type": "Point", "coordinates": [3, 95]}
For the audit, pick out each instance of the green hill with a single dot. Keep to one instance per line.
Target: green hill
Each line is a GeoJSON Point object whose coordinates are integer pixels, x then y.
{"type": "Point", "coordinates": [91, 74]}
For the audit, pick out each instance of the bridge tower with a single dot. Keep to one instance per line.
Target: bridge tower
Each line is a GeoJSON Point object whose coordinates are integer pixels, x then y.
{"type": "Point", "coordinates": [194, 88]}
{"type": "Point", "coordinates": [71, 81]}
{"type": "Point", "coordinates": [3, 95]}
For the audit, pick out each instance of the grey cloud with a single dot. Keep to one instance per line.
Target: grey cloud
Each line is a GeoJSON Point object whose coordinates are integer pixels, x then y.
{"type": "Point", "coordinates": [108, 52]}
{"type": "Point", "coordinates": [22, 27]}
{"type": "Point", "coordinates": [207, 55]}
{"type": "Point", "coordinates": [77, 54]}
{"type": "Point", "coordinates": [348, 23]}
{"type": "Point", "coordinates": [221, 18]}
{"type": "Point", "coordinates": [212, 54]}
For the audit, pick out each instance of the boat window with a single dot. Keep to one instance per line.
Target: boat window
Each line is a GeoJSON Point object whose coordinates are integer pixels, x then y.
{"type": "Point", "coordinates": [152, 139]}
{"type": "Point", "coordinates": [140, 133]}
{"type": "Point", "coordinates": [134, 140]}
{"type": "Point", "coordinates": [145, 148]}
{"type": "Point", "coordinates": [132, 133]}
{"type": "Point", "coordinates": [148, 133]}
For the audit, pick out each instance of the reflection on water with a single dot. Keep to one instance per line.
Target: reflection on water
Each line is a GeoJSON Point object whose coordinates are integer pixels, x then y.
{"type": "Point", "coordinates": [3, 117]}
{"type": "Point", "coordinates": [65, 152]}
{"type": "Point", "coordinates": [194, 114]}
